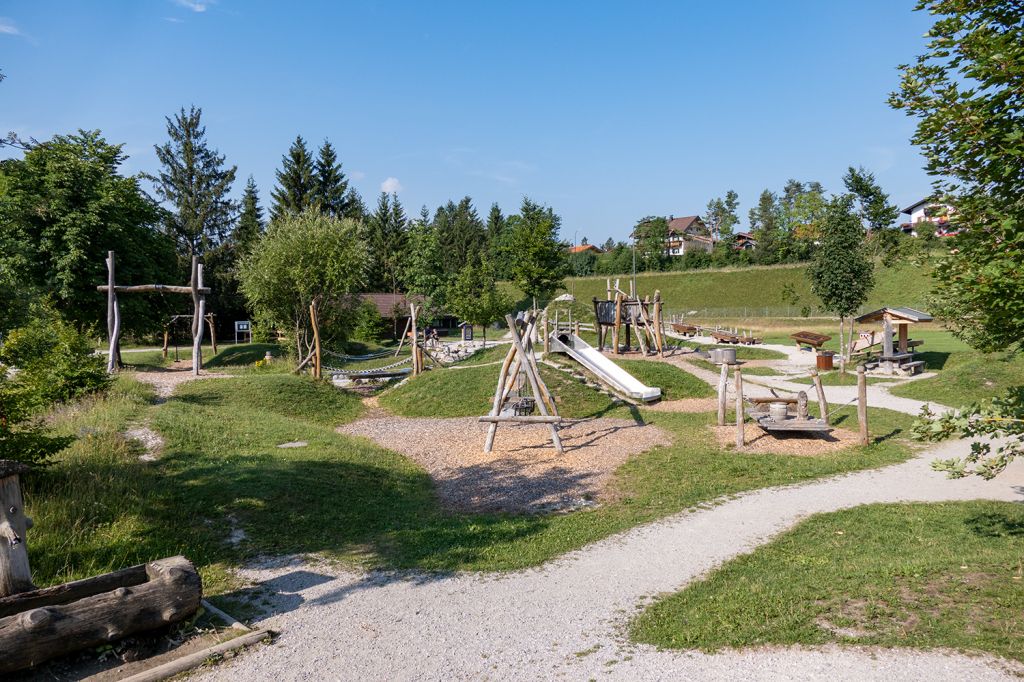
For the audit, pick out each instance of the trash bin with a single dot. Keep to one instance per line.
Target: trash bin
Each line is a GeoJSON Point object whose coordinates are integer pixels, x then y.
{"type": "Point", "coordinates": [824, 361]}
{"type": "Point", "coordinates": [467, 331]}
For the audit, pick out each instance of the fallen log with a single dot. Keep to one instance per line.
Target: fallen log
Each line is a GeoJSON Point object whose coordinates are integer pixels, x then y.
{"type": "Point", "coordinates": [171, 593]}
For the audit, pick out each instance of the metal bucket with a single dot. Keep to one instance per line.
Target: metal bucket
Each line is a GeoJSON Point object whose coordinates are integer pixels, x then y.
{"type": "Point", "coordinates": [727, 356]}
{"type": "Point", "coordinates": [715, 355]}
{"type": "Point", "coordinates": [778, 411]}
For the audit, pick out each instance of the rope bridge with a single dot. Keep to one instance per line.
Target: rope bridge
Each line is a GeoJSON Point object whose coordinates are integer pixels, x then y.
{"type": "Point", "coordinates": [386, 370]}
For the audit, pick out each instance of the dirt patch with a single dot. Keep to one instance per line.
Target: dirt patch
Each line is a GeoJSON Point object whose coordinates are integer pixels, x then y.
{"type": "Point", "coordinates": [803, 444]}
{"type": "Point", "coordinates": [523, 473]}
{"type": "Point", "coordinates": [151, 441]}
{"type": "Point", "coordinates": [164, 382]}
{"type": "Point", "coordinates": [685, 405]}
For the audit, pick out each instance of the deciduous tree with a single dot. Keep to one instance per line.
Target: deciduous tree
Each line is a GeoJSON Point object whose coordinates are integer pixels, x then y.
{"type": "Point", "coordinates": [967, 92]}
{"type": "Point", "coordinates": [538, 263]}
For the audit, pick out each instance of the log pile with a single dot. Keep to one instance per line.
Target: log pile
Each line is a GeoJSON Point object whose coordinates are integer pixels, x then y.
{"type": "Point", "coordinates": [37, 625]}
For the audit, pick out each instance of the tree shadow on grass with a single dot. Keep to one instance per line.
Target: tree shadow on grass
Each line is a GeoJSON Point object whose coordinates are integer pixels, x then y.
{"type": "Point", "coordinates": [992, 525]}
{"type": "Point", "coordinates": [933, 359]}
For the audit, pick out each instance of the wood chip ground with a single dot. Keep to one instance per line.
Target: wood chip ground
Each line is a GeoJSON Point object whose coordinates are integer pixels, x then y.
{"type": "Point", "coordinates": [523, 474]}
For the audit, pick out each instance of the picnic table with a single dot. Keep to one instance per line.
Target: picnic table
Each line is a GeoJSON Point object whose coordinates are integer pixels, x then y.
{"type": "Point", "coordinates": [685, 329]}
{"type": "Point", "coordinates": [813, 339]}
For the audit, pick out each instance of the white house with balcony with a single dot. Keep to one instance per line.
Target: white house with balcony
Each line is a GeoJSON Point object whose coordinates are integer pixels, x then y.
{"type": "Point", "coordinates": [928, 211]}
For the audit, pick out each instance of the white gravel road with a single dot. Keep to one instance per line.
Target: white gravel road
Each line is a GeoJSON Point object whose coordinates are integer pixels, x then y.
{"type": "Point", "coordinates": [566, 619]}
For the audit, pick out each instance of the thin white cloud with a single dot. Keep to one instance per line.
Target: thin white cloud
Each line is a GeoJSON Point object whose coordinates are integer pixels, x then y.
{"type": "Point", "coordinates": [7, 27]}
{"type": "Point", "coordinates": [194, 5]}
{"type": "Point", "coordinates": [174, 20]}
{"type": "Point", "coordinates": [357, 175]}
{"type": "Point", "coordinates": [391, 185]}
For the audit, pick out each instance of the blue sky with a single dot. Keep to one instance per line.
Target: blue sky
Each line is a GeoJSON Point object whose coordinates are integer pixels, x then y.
{"type": "Point", "coordinates": [607, 111]}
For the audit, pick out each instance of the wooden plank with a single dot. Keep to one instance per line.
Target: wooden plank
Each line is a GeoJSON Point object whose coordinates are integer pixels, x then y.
{"type": "Point", "coordinates": [768, 424]}
{"type": "Point", "coordinates": [154, 288]}
{"type": "Point", "coordinates": [530, 419]}
{"type": "Point", "coordinates": [15, 574]}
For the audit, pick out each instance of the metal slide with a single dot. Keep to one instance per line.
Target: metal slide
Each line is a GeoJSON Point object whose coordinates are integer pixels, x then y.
{"type": "Point", "coordinates": [605, 370]}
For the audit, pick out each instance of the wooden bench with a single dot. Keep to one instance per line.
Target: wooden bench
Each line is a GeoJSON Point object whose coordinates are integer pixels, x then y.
{"type": "Point", "coordinates": [685, 329]}
{"type": "Point", "coordinates": [813, 339]}
{"type": "Point", "coordinates": [724, 337]}
{"type": "Point", "coordinates": [911, 368]}
{"type": "Point", "coordinates": [749, 340]}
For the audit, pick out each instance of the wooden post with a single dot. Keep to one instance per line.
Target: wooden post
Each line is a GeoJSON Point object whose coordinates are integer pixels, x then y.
{"type": "Point", "coordinates": [608, 289]}
{"type": "Point", "coordinates": [887, 343]}
{"type": "Point", "coordinates": [903, 337]}
{"type": "Point", "coordinates": [659, 324]}
{"type": "Point", "coordinates": [414, 340]}
{"type": "Point", "coordinates": [113, 328]}
{"type": "Point", "coordinates": [822, 403]}
{"type": "Point", "coordinates": [723, 382]}
{"type": "Point", "coordinates": [317, 373]}
{"type": "Point", "coordinates": [166, 340]}
{"type": "Point", "coordinates": [199, 300]}
{"type": "Point", "coordinates": [15, 575]}
{"type": "Point", "coordinates": [405, 333]}
{"type": "Point", "coordinates": [213, 332]}
{"type": "Point", "coordinates": [740, 439]}
{"type": "Point", "coordinates": [544, 331]}
{"type": "Point", "coordinates": [618, 323]}
{"type": "Point", "coordinates": [862, 405]}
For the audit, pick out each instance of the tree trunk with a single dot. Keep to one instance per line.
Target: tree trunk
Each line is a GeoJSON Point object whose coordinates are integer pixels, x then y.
{"type": "Point", "coordinates": [171, 594]}
{"type": "Point", "coordinates": [15, 575]}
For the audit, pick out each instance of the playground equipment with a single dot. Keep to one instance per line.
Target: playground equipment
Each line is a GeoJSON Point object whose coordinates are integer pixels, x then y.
{"type": "Point", "coordinates": [643, 316]}
{"type": "Point", "coordinates": [892, 361]}
{"type": "Point", "coordinates": [195, 288]}
{"type": "Point", "coordinates": [39, 624]}
{"type": "Point", "coordinates": [521, 390]}
{"type": "Point", "coordinates": [603, 368]}
{"type": "Point", "coordinates": [169, 329]}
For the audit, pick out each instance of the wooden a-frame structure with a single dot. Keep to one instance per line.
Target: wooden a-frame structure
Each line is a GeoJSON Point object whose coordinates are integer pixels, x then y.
{"type": "Point", "coordinates": [521, 361]}
{"type": "Point", "coordinates": [195, 288]}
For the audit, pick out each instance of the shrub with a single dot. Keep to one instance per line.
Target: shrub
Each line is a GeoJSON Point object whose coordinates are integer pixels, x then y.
{"type": "Point", "coordinates": [369, 325]}
{"type": "Point", "coordinates": [55, 361]}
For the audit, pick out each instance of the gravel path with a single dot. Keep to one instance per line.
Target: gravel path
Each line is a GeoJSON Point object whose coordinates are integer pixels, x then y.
{"type": "Point", "coordinates": [566, 619]}
{"type": "Point", "coordinates": [523, 473]}
{"type": "Point", "coordinates": [165, 381]}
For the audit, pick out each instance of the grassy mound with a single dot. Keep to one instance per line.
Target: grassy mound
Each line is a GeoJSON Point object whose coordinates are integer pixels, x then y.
{"type": "Point", "coordinates": [966, 377]}
{"type": "Point", "coordinates": [673, 382]}
{"type": "Point", "coordinates": [917, 575]}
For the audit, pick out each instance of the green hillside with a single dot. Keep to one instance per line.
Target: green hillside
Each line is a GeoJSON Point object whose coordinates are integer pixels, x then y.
{"type": "Point", "coordinates": [757, 288]}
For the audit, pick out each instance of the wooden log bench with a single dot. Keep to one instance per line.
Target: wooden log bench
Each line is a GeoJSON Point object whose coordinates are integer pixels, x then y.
{"type": "Point", "coordinates": [794, 424]}
{"type": "Point", "coordinates": [812, 339]}
{"type": "Point", "coordinates": [724, 337]}
{"type": "Point", "coordinates": [749, 340]}
{"type": "Point", "coordinates": [685, 329]}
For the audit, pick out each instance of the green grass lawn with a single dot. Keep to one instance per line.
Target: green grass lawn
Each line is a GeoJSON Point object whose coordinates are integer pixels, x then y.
{"type": "Point", "coordinates": [915, 575]}
{"type": "Point", "coordinates": [673, 382]}
{"type": "Point", "coordinates": [98, 508]}
{"type": "Point", "coordinates": [837, 378]}
{"type": "Point", "coordinates": [755, 288]}
{"type": "Point", "coordinates": [753, 371]}
{"type": "Point", "coordinates": [966, 377]}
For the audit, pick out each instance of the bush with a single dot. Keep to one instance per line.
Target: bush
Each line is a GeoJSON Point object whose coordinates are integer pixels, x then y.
{"type": "Point", "coordinates": [369, 325]}
{"type": "Point", "coordinates": [55, 361]}
{"type": "Point", "coordinates": [22, 437]}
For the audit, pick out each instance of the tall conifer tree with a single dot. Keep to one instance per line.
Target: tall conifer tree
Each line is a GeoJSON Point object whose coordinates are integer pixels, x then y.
{"type": "Point", "coordinates": [250, 220]}
{"type": "Point", "coordinates": [296, 182]}
{"type": "Point", "coordinates": [330, 184]}
{"type": "Point", "coordinates": [194, 181]}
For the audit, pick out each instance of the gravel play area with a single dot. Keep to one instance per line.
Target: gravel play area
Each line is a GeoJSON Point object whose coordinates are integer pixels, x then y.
{"type": "Point", "coordinates": [805, 444]}
{"type": "Point", "coordinates": [684, 405]}
{"type": "Point", "coordinates": [523, 473]}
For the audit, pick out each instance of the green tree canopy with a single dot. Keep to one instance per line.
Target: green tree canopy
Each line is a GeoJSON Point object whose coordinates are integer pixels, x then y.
{"type": "Point", "coordinates": [537, 257]}
{"type": "Point", "coordinates": [387, 236]}
{"type": "Point", "coordinates": [195, 184]}
{"type": "Point", "coordinates": [424, 266]}
{"type": "Point", "coordinates": [474, 295]}
{"type": "Point", "coordinates": [650, 234]}
{"type": "Point", "coordinates": [967, 93]}
{"type": "Point", "coordinates": [65, 206]}
{"type": "Point", "coordinates": [330, 186]}
{"type": "Point", "coordinates": [302, 260]}
{"type": "Point", "coordinates": [460, 232]}
{"type": "Point", "coordinates": [841, 274]}
{"type": "Point", "coordinates": [296, 182]}
{"type": "Point", "coordinates": [721, 215]}
{"type": "Point", "coordinates": [250, 220]}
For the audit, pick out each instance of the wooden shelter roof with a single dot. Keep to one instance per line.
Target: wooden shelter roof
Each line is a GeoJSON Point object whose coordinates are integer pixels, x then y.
{"type": "Point", "coordinates": [909, 315]}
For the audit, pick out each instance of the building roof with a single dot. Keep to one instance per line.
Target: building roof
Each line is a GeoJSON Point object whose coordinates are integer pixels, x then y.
{"type": "Point", "coordinates": [745, 235]}
{"type": "Point", "coordinates": [898, 314]}
{"type": "Point", "coordinates": [584, 247]}
{"type": "Point", "coordinates": [390, 304]}
{"type": "Point", "coordinates": [684, 224]}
